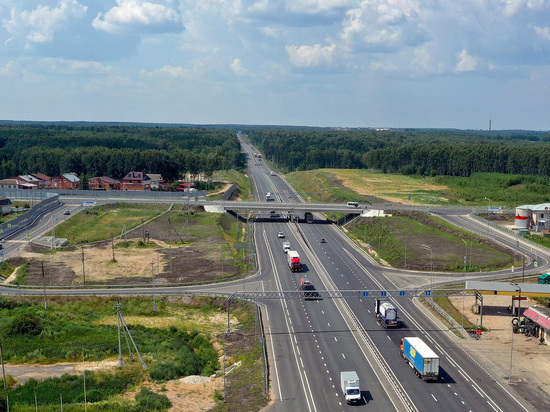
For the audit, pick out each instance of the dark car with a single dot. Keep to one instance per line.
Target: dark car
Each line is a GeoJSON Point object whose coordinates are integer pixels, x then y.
{"type": "Point", "coordinates": [309, 291]}
{"type": "Point", "coordinates": [323, 240]}
{"type": "Point", "coordinates": [67, 212]}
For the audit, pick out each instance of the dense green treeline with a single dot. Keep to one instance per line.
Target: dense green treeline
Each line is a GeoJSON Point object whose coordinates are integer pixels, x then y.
{"type": "Point", "coordinates": [435, 152]}
{"type": "Point", "coordinates": [115, 150]}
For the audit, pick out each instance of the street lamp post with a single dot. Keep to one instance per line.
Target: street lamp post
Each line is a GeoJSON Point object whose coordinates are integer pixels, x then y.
{"type": "Point", "coordinates": [431, 263]}
{"type": "Point", "coordinates": [464, 288]}
{"type": "Point", "coordinates": [518, 289]}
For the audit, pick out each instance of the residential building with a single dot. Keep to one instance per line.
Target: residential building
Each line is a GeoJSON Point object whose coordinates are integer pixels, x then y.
{"type": "Point", "coordinates": [65, 181]}
{"type": "Point", "coordinates": [156, 181]}
{"type": "Point", "coordinates": [5, 203]}
{"type": "Point", "coordinates": [16, 183]}
{"type": "Point", "coordinates": [43, 180]}
{"type": "Point", "coordinates": [103, 183]}
{"type": "Point", "coordinates": [135, 181]}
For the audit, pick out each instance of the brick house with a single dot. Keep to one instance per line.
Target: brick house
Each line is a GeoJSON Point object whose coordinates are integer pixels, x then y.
{"type": "Point", "coordinates": [43, 180]}
{"type": "Point", "coordinates": [103, 183]}
{"type": "Point", "coordinates": [135, 181]}
{"type": "Point", "coordinates": [65, 181]}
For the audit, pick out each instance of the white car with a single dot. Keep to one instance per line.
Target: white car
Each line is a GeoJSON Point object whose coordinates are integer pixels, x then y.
{"type": "Point", "coordinates": [281, 235]}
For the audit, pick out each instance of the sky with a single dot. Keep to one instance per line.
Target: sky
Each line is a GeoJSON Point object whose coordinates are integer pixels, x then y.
{"type": "Point", "coordinates": [330, 63]}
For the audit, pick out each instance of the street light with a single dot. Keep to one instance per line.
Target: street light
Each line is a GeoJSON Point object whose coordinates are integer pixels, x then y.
{"type": "Point", "coordinates": [431, 263]}
{"type": "Point", "coordinates": [464, 288]}
{"type": "Point", "coordinates": [518, 289]}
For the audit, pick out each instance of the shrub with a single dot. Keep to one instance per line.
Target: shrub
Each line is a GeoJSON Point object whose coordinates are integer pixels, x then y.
{"type": "Point", "coordinates": [147, 400]}
{"type": "Point", "coordinates": [25, 324]}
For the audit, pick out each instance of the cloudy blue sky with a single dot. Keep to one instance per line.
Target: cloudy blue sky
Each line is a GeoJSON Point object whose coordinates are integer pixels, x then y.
{"type": "Point", "coordinates": [377, 63]}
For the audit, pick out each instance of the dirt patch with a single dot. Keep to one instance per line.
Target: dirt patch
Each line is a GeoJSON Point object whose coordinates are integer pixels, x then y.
{"type": "Point", "coordinates": [189, 259]}
{"type": "Point", "coordinates": [530, 366]}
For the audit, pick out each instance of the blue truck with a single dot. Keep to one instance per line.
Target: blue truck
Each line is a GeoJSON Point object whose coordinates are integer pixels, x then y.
{"type": "Point", "coordinates": [423, 360]}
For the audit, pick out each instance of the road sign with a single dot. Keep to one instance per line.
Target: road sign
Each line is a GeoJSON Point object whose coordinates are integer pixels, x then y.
{"type": "Point", "coordinates": [365, 294]}
{"type": "Point", "coordinates": [384, 293]}
{"type": "Point", "coordinates": [428, 293]}
{"type": "Point", "coordinates": [28, 236]}
{"type": "Point", "coordinates": [519, 297]}
{"type": "Point", "coordinates": [402, 293]}
{"type": "Point", "coordinates": [536, 264]}
{"type": "Point", "coordinates": [371, 244]}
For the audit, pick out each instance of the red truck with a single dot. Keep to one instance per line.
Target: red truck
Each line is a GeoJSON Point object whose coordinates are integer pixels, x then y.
{"type": "Point", "coordinates": [294, 261]}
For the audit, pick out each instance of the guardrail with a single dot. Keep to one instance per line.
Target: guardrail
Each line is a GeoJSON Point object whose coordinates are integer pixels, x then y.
{"type": "Point", "coordinates": [447, 317]}
{"type": "Point", "coordinates": [40, 194]}
{"type": "Point", "coordinates": [28, 218]}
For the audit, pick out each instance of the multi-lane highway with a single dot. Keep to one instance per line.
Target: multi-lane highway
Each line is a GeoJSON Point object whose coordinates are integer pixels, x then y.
{"type": "Point", "coordinates": [312, 341]}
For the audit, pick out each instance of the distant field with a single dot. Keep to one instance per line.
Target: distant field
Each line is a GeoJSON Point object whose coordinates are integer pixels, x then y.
{"type": "Point", "coordinates": [339, 185]}
{"type": "Point", "coordinates": [480, 189]}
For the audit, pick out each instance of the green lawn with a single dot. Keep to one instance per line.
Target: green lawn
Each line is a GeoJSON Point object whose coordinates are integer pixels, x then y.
{"type": "Point", "coordinates": [105, 221]}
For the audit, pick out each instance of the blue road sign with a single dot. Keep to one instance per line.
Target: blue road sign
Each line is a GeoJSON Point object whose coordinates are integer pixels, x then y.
{"type": "Point", "coordinates": [402, 293]}
{"type": "Point", "coordinates": [428, 292]}
{"type": "Point", "coordinates": [384, 293]}
{"type": "Point", "coordinates": [365, 293]}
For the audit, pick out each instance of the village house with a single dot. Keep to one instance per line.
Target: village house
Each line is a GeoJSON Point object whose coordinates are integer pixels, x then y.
{"type": "Point", "coordinates": [103, 183]}
{"type": "Point", "coordinates": [135, 181]}
{"type": "Point", "coordinates": [156, 181]}
{"type": "Point", "coordinates": [65, 181]}
{"type": "Point", "coordinates": [43, 180]}
{"type": "Point", "coordinates": [16, 183]}
{"type": "Point", "coordinates": [6, 205]}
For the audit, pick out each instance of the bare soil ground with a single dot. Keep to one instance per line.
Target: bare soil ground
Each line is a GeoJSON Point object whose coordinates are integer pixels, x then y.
{"type": "Point", "coordinates": [196, 260]}
{"type": "Point", "coordinates": [531, 361]}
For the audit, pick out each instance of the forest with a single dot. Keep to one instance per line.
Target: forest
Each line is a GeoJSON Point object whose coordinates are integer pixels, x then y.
{"type": "Point", "coordinates": [97, 150]}
{"type": "Point", "coordinates": [415, 151]}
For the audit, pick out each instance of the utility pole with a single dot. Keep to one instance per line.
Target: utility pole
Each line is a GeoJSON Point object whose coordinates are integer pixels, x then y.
{"type": "Point", "coordinates": [83, 268]}
{"type": "Point", "coordinates": [44, 286]}
{"type": "Point", "coordinates": [4, 376]}
{"type": "Point", "coordinates": [113, 247]}
{"type": "Point", "coordinates": [153, 282]}
{"type": "Point", "coordinates": [117, 307]}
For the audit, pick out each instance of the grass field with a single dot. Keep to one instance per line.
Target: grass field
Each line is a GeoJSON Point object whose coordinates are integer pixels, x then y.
{"type": "Point", "coordinates": [244, 186]}
{"type": "Point", "coordinates": [399, 240]}
{"type": "Point", "coordinates": [73, 329]}
{"type": "Point", "coordinates": [104, 222]}
{"type": "Point", "coordinates": [480, 189]}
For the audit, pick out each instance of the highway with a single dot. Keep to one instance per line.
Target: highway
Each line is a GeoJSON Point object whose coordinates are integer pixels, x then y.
{"type": "Point", "coordinates": [311, 342]}
{"type": "Point", "coordinates": [323, 328]}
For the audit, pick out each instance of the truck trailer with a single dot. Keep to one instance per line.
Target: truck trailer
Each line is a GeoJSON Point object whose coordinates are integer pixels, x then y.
{"type": "Point", "coordinates": [350, 386]}
{"type": "Point", "coordinates": [420, 358]}
{"type": "Point", "coordinates": [293, 259]}
{"type": "Point", "coordinates": [385, 312]}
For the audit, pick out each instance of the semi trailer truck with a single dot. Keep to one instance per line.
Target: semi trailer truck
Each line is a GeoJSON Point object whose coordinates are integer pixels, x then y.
{"type": "Point", "coordinates": [423, 360]}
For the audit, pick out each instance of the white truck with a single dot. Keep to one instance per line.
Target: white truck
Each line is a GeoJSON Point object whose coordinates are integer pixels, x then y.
{"type": "Point", "coordinates": [386, 313]}
{"type": "Point", "coordinates": [421, 358]}
{"type": "Point", "coordinates": [286, 247]}
{"type": "Point", "coordinates": [350, 386]}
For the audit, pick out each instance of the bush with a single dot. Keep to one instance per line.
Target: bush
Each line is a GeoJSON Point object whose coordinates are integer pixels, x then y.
{"type": "Point", "coordinates": [25, 324]}
{"type": "Point", "coordinates": [147, 400]}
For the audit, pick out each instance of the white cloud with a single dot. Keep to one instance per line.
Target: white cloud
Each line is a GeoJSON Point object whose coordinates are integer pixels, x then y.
{"type": "Point", "coordinates": [465, 63]}
{"type": "Point", "coordinates": [166, 71]}
{"type": "Point", "coordinates": [310, 56]}
{"type": "Point", "coordinates": [138, 16]}
{"type": "Point", "coordinates": [42, 23]}
{"type": "Point", "coordinates": [9, 70]}
{"type": "Point", "coordinates": [543, 32]}
{"type": "Point", "coordinates": [237, 67]}
{"type": "Point", "coordinates": [76, 67]}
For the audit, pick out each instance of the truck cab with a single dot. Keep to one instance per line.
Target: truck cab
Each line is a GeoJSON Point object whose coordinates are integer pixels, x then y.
{"type": "Point", "coordinates": [544, 279]}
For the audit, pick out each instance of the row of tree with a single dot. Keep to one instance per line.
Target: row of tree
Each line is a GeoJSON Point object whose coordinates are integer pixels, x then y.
{"type": "Point", "coordinates": [116, 150]}
{"type": "Point", "coordinates": [441, 152]}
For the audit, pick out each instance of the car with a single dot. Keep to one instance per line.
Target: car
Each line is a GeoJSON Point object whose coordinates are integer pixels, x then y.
{"type": "Point", "coordinates": [67, 212]}
{"type": "Point", "coordinates": [281, 235]}
{"type": "Point", "coordinates": [1, 246]}
{"type": "Point", "coordinates": [323, 240]}
{"type": "Point", "coordinates": [309, 291]}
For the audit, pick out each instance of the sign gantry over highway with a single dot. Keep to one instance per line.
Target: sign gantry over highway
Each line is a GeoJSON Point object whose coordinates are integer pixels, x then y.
{"type": "Point", "coordinates": [344, 294]}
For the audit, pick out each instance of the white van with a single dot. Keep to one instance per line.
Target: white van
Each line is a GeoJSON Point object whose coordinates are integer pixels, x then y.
{"type": "Point", "coordinates": [353, 204]}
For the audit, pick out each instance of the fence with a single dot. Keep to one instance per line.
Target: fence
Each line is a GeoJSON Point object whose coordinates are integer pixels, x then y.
{"type": "Point", "coordinates": [38, 195]}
